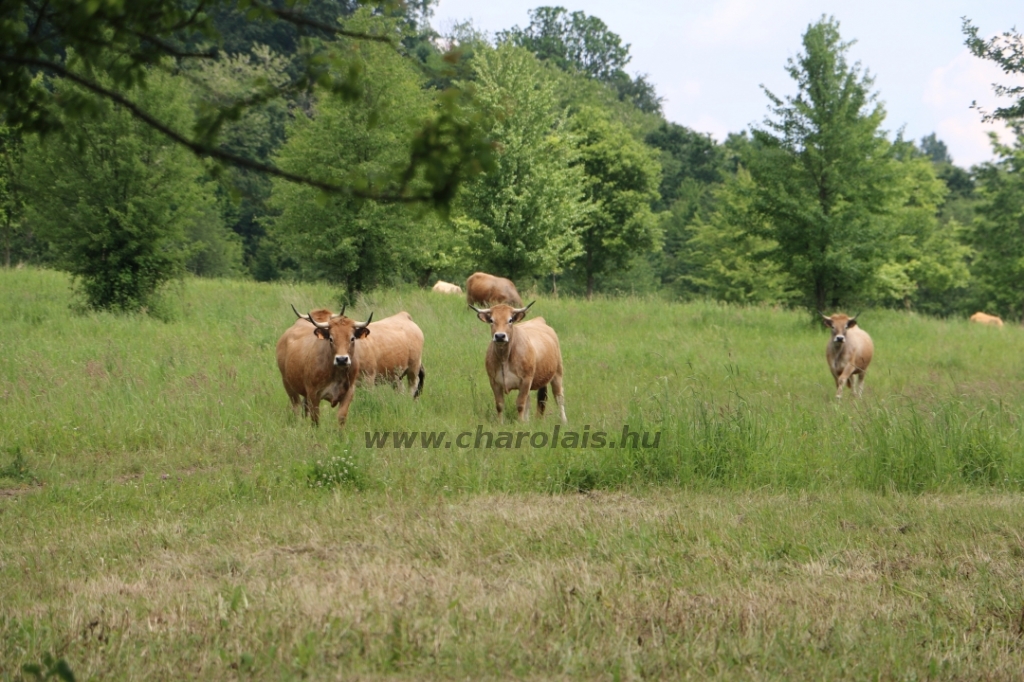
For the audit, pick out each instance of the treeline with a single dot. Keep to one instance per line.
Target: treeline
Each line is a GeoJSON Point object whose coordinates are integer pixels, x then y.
{"type": "Point", "coordinates": [587, 188]}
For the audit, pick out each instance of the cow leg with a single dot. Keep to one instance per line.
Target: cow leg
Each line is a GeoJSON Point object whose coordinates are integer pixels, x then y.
{"type": "Point", "coordinates": [522, 399]}
{"type": "Point", "coordinates": [293, 401]}
{"type": "Point", "coordinates": [419, 383]}
{"type": "Point", "coordinates": [859, 389]}
{"type": "Point", "coordinates": [346, 400]}
{"type": "Point", "coordinates": [843, 378]}
{"type": "Point", "coordinates": [542, 400]}
{"type": "Point", "coordinates": [499, 399]}
{"type": "Point", "coordinates": [556, 387]}
{"type": "Point", "coordinates": [314, 411]}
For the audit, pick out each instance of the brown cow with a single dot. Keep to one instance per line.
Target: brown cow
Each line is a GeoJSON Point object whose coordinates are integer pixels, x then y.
{"type": "Point", "coordinates": [525, 357]}
{"type": "Point", "coordinates": [447, 288]}
{"type": "Point", "coordinates": [488, 289]}
{"type": "Point", "coordinates": [983, 318]}
{"type": "Point", "coordinates": [393, 350]}
{"type": "Point", "coordinates": [318, 361]}
{"type": "Point", "coordinates": [848, 352]}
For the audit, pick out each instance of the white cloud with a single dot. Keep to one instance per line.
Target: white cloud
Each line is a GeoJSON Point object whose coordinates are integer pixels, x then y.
{"type": "Point", "coordinates": [745, 21]}
{"type": "Point", "coordinates": [948, 95]}
{"type": "Point", "coordinates": [709, 124]}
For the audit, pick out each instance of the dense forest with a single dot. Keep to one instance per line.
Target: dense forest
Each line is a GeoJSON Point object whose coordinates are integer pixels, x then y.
{"type": "Point", "coordinates": [535, 155]}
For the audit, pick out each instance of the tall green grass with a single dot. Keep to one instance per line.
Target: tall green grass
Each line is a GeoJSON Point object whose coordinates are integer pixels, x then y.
{"type": "Point", "coordinates": [742, 397]}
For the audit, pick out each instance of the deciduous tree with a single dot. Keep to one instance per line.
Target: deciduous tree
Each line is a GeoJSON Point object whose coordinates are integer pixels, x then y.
{"type": "Point", "coordinates": [524, 216]}
{"type": "Point", "coordinates": [117, 201]}
{"type": "Point", "coordinates": [621, 183]}
{"type": "Point", "coordinates": [824, 173]}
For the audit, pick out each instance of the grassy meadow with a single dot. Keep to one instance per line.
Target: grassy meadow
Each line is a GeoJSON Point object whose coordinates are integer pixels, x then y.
{"type": "Point", "coordinates": [163, 514]}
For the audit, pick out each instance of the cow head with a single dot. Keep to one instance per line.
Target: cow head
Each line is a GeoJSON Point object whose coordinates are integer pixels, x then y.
{"type": "Point", "coordinates": [839, 323]}
{"type": "Point", "coordinates": [341, 332]}
{"type": "Point", "coordinates": [501, 318]}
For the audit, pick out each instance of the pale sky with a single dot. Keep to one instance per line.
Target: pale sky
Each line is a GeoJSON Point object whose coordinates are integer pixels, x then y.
{"type": "Point", "coordinates": [708, 59]}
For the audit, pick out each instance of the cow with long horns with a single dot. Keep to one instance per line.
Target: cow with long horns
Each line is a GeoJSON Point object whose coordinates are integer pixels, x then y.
{"type": "Point", "coordinates": [524, 356]}
{"type": "Point", "coordinates": [318, 361]}
{"type": "Point", "coordinates": [849, 352]}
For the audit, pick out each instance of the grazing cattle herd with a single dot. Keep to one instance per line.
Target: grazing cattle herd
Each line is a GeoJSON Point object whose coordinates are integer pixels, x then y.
{"type": "Point", "coordinates": [523, 356]}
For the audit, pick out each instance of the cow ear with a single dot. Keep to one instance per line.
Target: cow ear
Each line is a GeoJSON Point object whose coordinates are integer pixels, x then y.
{"type": "Point", "coordinates": [321, 333]}
{"type": "Point", "coordinates": [518, 316]}
{"type": "Point", "coordinates": [361, 332]}
{"type": "Point", "coordinates": [485, 317]}
{"type": "Point", "coordinates": [852, 323]}
{"type": "Point", "coordinates": [827, 321]}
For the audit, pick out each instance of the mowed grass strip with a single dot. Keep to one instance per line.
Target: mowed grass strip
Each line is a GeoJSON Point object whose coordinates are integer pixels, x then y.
{"type": "Point", "coordinates": [163, 514]}
{"type": "Point", "coordinates": [670, 584]}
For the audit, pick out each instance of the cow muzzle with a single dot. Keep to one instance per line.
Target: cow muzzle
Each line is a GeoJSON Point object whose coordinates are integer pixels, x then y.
{"type": "Point", "coordinates": [342, 360]}
{"type": "Point", "coordinates": [500, 337]}
{"type": "Point", "coordinates": [840, 338]}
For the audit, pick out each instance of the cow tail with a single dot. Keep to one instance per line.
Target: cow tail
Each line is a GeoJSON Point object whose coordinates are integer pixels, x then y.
{"type": "Point", "coordinates": [419, 385]}
{"type": "Point", "coordinates": [542, 399]}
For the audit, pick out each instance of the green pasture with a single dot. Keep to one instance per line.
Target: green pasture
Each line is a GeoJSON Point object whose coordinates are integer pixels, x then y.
{"type": "Point", "coordinates": [164, 514]}
{"type": "Point", "coordinates": [742, 396]}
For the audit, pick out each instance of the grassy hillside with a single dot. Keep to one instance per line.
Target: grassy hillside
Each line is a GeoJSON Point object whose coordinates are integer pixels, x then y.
{"type": "Point", "coordinates": [163, 513]}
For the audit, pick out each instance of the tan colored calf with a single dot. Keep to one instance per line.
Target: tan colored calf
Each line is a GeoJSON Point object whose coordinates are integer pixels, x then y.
{"type": "Point", "coordinates": [447, 288]}
{"type": "Point", "coordinates": [486, 289]}
{"type": "Point", "coordinates": [394, 349]}
{"type": "Point", "coordinates": [523, 356]}
{"type": "Point", "coordinates": [849, 352]}
{"type": "Point", "coordinates": [983, 318]}
{"type": "Point", "coordinates": [318, 361]}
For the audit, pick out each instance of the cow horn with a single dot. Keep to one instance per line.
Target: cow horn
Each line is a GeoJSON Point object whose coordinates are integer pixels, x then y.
{"type": "Point", "coordinates": [343, 306]}
{"type": "Point", "coordinates": [368, 320]}
{"type": "Point", "coordinates": [478, 311]}
{"type": "Point", "coordinates": [298, 314]}
{"type": "Point", "coordinates": [317, 324]}
{"type": "Point", "coordinates": [523, 310]}
{"type": "Point", "coordinates": [823, 315]}
{"type": "Point", "coordinates": [854, 318]}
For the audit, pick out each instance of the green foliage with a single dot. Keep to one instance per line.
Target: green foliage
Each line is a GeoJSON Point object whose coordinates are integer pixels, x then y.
{"type": "Point", "coordinates": [727, 259]}
{"type": "Point", "coordinates": [50, 669]}
{"type": "Point", "coordinates": [17, 468]}
{"type": "Point", "coordinates": [1007, 52]}
{"type": "Point", "coordinates": [257, 133]}
{"type": "Point", "coordinates": [925, 261]}
{"type": "Point", "coordinates": [357, 243]}
{"type": "Point", "coordinates": [621, 182]}
{"type": "Point", "coordinates": [684, 155]}
{"type": "Point", "coordinates": [117, 43]}
{"type": "Point", "coordinates": [334, 471]}
{"type": "Point", "coordinates": [997, 234]}
{"type": "Point", "coordinates": [583, 44]}
{"type": "Point", "coordinates": [12, 201]}
{"type": "Point", "coordinates": [823, 174]}
{"type": "Point", "coordinates": [116, 202]}
{"type": "Point", "coordinates": [524, 216]}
